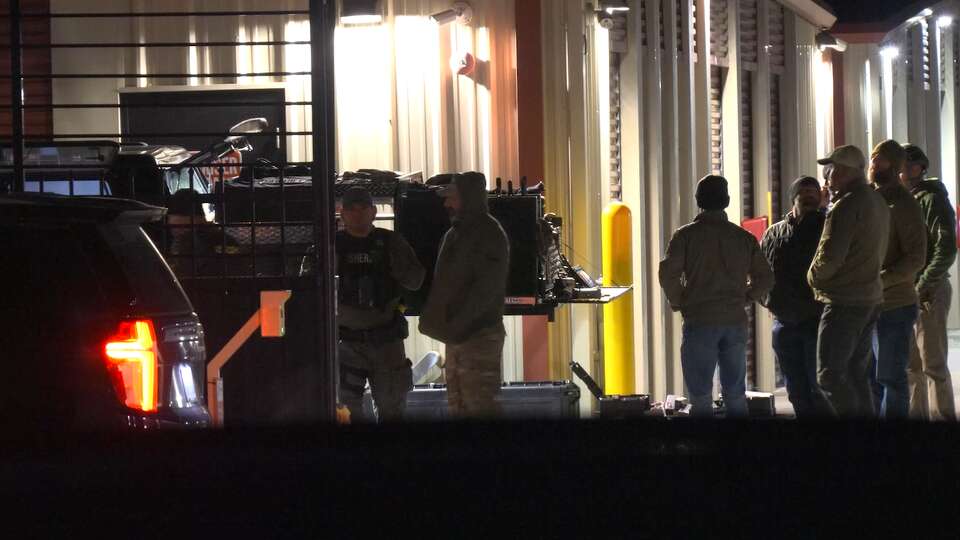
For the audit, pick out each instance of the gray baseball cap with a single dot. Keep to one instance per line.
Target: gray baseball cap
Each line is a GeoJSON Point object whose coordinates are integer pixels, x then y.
{"type": "Point", "coordinates": [847, 155]}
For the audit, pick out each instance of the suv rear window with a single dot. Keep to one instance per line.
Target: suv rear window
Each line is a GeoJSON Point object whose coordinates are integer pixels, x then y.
{"type": "Point", "coordinates": [155, 288]}
{"type": "Point", "coordinates": [52, 274]}
{"type": "Point", "coordinates": [66, 272]}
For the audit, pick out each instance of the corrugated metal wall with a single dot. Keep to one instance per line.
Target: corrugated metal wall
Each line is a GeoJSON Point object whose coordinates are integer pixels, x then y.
{"type": "Point", "coordinates": [756, 108]}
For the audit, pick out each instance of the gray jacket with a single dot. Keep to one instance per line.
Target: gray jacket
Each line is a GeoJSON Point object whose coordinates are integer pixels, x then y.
{"type": "Point", "coordinates": [470, 281]}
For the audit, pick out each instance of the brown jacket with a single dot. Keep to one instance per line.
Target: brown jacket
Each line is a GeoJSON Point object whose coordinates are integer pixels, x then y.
{"type": "Point", "coordinates": [846, 267]}
{"type": "Point", "coordinates": [906, 250]}
{"type": "Point", "coordinates": [713, 269]}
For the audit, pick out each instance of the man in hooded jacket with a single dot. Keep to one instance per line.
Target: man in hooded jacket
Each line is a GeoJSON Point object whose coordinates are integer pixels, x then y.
{"type": "Point", "coordinates": [931, 388]}
{"type": "Point", "coordinates": [464, 309]}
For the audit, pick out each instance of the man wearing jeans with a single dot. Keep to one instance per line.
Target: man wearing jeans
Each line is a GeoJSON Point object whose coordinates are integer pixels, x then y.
{"type": "Point", "coordinates": [931, 388]}
{"type": "Point", "coordinates": [789, 247]}
{"type": "Point", "coordinates": [845, 276]}
{"type": "Point", "coordinates": [711, 271]}
{"type": "Point", "coordinates": [905, 255]}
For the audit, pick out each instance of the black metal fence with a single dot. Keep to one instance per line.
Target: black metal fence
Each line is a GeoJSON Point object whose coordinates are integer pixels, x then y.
{"type": "Point", "coordinates": [243, 216]}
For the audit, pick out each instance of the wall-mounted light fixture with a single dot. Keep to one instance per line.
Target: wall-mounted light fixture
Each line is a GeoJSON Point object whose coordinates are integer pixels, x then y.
{"type": "Point", "coordinates": [460, 12]}
{"type": "Point", "coordinates": [889, 52]}
{"type": "Point", "coordinates": [825, 40]}
{"type": "Point", "coordinates": [944, 21]}
{"type": "Point", "coordinates": [357, 12]}
{"type": "Point", "coordinates": [614, 6]}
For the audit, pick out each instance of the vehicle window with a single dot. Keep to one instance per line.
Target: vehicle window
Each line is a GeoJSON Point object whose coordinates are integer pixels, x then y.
{"type": "Point", "coordinates": [153, 284]}
{"type": "Point", "coordinates": [52, 275]}
{"type": "Point", "coordinates": [81, 186]}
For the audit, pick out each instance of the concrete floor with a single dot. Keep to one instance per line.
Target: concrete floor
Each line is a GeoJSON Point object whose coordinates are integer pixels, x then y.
{"type": "Point", "coordinates": [784, 408]}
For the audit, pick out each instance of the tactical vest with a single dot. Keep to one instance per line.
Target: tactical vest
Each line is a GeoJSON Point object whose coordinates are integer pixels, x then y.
{"type": "Point", "coordinates": [363, 267]}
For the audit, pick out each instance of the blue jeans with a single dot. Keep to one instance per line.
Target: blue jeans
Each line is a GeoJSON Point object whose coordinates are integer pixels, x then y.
{"type": "Point", "coordinates": [795, 346]}
{"type": "Point", "coordinates": [891, 349]}
{"type": "Point", "coordinates": [704, 347]}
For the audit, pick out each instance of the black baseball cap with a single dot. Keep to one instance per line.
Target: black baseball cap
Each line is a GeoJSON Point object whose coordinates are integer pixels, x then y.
{"type": "Point", "coordinates": [915, 155]}
{"type": "Point", "coordinates": [356, 195]}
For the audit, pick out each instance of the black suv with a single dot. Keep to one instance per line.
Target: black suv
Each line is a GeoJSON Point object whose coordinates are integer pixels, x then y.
{"type": "Point", "coordinates": [96, 331]}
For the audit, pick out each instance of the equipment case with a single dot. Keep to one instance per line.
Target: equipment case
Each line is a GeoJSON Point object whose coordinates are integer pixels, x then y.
{"type": "Point", "coordinates": [518, 400]}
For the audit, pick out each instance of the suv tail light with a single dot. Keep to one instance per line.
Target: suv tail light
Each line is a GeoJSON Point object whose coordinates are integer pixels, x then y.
{"type": "Point", "coordinates": [132, 360]}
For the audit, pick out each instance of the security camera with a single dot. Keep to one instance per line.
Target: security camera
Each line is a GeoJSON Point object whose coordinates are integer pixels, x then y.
{"type": "Point", "coordinates": [604, 19]}
{"type": "Point", "coordinates": [825, 40]}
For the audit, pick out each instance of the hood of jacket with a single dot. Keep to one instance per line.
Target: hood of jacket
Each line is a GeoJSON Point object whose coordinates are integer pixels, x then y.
{"type": "Point", "coordinates": [934, 187]}
{"type": "Point", "coordinates": [472, 187]}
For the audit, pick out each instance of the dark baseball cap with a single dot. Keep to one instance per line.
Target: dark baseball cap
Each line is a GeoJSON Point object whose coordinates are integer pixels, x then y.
{"type": "Point", "coordinates": [915, 155]}
{"type": "Point", "coordinates": [356, 195]}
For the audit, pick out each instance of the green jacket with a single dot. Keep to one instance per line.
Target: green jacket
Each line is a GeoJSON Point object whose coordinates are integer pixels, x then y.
{"type": "Point", "coordinates": [906, 249]}
{"type": "Point", "coordinates": [846, 267]}
{"type": "Point", "coordinates": [941, 224]}
{"type": "Point", "coordinates": [713, 269]}
{"type": "Point", "coordinates": [469, 286]}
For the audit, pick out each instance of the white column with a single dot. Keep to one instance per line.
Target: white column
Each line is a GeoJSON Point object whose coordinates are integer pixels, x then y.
{"type": "Point", "coordinates": [653, 183]}
{"type": "Point", "coordinates": [766, 370]}
{"type": "Point", "coordinates": [633, 165]}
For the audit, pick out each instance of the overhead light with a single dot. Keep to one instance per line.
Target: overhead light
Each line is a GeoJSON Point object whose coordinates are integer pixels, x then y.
{"type": "Point", "coordinates": [944, 21]}
{"type": "Point", "coordinates": [614, 6]}
{"type": "Point", "coordinates": [460, 12]}
{"type": "Point", "coordinates": [889, 52]}
{"type": "Point", "coordinates": [357, 12]}
{"type": "Point", "coordinates": [825, 40]}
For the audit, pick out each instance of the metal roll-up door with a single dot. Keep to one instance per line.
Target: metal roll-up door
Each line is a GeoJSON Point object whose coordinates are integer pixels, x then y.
{"type": "Point", "coordinates": [643, 24]}
{"type": "Point", "coordinates": [748, 204]}
{"type": "Point", "coordinates": [777, 41]}
{"type": "Point", "coordinates": [925, 44]}
{"type": "Point", "coordinates": [661, 29]}
{"type": "Point", "coordinates": [908, 52]}
{"type": "Point", "coordinates": [748, 33]}
{"type": "Point", "coordinates": [678, 21]}
{"type": "Point", "coordinates": [777, 55]}
{"type": "Point", "coordinates": [746, 146]}
{"type": "Point", "coordinates": [718, 31]}
{"type": "Point", "coordinates": [693, 34]}
{"type": "Point", "coordinates": [776, 179]}
{"type": "Point", "coordinates": [716, 119]}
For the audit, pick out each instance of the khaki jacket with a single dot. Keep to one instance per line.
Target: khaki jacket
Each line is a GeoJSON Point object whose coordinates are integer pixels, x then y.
{"type": "Point", "coordinates": [713, 269]}
{"type": "Point", "coordinates": [846, 266]}
{"type": "Point", "coordinates": [906, 250]}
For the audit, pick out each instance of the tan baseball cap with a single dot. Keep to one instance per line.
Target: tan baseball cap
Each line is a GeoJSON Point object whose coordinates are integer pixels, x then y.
{"type": "Point", "coordinates": [847, 155]}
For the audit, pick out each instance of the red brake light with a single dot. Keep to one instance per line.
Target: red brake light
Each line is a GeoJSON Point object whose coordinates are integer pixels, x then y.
{"type": "Point", "coordinates": [132, 359]}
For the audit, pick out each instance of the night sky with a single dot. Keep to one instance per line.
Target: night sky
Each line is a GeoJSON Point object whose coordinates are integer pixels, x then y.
{"type": "Point", "coordinates": [862, 11]}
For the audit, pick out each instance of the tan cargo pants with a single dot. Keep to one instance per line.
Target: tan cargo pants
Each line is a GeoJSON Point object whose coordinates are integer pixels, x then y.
{"type": "Point", "coordinates": [931, 389]}
{"type": "Point", "coordinates": [473, 372]}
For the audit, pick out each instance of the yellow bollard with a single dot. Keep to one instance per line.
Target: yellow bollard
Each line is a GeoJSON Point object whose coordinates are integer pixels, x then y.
{"type": "Point", "coordinates": [618, 368]}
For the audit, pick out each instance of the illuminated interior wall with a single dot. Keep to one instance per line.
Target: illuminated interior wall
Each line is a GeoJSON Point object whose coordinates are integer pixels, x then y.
{"type": "Point", "coordinates": [400, 103]}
